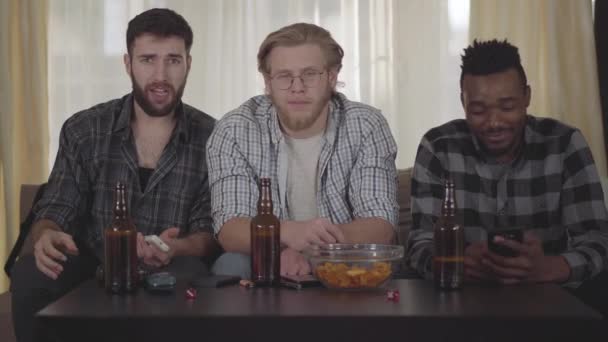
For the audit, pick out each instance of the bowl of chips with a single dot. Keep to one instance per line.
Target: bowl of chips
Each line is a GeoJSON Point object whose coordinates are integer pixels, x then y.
{"type": "Point", "coordinates": [354, 266]}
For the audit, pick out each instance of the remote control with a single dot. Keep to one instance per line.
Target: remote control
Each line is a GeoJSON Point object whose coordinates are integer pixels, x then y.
{"type": "Point", "coordinates": [154, 239]}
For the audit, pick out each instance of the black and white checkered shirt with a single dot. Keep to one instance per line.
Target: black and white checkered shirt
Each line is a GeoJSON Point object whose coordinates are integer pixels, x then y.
{"type": "Point", "coordinates": [97, 149]}
{"type": "Point", "coordinates": [552, 188]}
{"type": "Point", "coordinates": [356, 176]}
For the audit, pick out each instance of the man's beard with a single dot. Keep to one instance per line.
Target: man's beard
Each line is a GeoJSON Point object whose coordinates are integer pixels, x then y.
{"type": "Point", "coordinates": [139, 93]}
{"type": "Point", "coordinates": [301, 121]}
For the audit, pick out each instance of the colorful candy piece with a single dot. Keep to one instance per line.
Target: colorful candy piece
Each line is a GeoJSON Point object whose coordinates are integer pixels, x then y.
{"type": "Point", "coordinates": [191, 293]}
{"type": "Point", "coordinates": [392, 295]}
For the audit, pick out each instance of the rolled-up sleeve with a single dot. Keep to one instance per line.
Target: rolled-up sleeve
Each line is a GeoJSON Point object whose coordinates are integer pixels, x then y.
{"type": "Point", "coordinates": [373, 180]}
{"type": "Point", "coordinates": [583, 212]}
{"type": "Point", "coordinates": [231, 179]}
{"type": "Point", "coordinates": [426, 192]}
{"type": "Point", "coordinates": [66, 195]}
{"type": "Point", "coordinates": [200, 218]}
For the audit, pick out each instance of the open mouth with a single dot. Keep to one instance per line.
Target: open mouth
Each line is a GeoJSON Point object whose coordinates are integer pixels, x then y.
{"type": "Point", "coordinates": [159, 94]}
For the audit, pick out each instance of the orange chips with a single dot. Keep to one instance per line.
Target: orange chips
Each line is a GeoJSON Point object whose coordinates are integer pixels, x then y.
{"type": "Point", "coordinates": [340, 275]}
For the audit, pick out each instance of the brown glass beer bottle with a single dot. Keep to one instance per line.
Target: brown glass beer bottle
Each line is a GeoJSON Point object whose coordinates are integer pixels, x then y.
{"type": "Point", "coordinates": [448, 257]}
{"type": "Point", "coordinates": [265, 241]}
{"type": "Point", "coordinates": [120, 259]}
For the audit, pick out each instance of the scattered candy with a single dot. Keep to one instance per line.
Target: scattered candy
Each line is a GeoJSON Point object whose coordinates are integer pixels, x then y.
{"type": "Point", "coordinates": [392, 295]}
{"type": "Point", "coordinates": [191, 293]}
{"type": "Point", "coordinates": [246, 283]}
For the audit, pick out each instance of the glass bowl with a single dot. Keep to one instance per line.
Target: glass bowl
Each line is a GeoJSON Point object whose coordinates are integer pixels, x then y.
{"type": "Point", "coordinates": [354, 266]}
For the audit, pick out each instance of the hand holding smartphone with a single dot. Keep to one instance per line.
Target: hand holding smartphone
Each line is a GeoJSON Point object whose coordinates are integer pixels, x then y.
{"type": "Point", "coordinates": [511, 234]}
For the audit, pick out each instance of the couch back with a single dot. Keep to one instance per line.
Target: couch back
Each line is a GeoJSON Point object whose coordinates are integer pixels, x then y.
{"type": "Point", "coordinates": [403, 199]}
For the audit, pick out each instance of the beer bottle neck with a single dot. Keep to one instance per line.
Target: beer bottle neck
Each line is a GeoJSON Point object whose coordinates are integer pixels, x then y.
{"type": "Point", "coordinates": [265, 201]}
{"type": "Point", "coordinates": [448, 207]}
{"type": "Point", "coordinates": [121, 211]}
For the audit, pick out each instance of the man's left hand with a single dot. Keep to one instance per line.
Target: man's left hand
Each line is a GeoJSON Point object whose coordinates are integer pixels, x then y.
{"type": "Point", "coordinates": [153, 256]}
{"type": "Point", "coordinates": [531, 265]}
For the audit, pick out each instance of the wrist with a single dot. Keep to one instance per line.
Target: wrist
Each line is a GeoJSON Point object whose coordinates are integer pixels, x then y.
{"type": "Point", "coordinates": [286, 230]}
{"type": "Point", "coordinates": [40, 227]}
{"type": "Point", "coordinates": [557, 269]}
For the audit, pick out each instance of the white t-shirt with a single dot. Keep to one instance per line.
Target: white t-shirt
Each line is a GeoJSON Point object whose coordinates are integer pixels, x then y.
{"type": "Point", "coordinates": [303, 161]}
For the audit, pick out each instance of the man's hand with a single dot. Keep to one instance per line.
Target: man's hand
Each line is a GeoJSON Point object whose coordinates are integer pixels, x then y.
{"type": "Point", "coordinates": [529, 266]}
{"type": "Point", "coordinates": [293, 263]}
{"type": "Point", "coordinates": [50, 250]}
{"type": "Point", "coordinates": [474, 271]}
{"type": "Point", "coordinates": [152, 255]}
{"type": "Point", "coordinates": [300, 235]}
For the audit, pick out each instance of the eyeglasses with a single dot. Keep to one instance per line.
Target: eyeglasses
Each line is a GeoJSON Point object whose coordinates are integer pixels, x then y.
{"type": "Point", "coordinates": [284, 81]}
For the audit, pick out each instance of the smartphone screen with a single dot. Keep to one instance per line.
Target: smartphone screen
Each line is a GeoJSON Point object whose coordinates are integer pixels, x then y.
{"type": "Point", "coordinates": [300, 281]}
{"type": "Point", "coordinates": [513, 234]}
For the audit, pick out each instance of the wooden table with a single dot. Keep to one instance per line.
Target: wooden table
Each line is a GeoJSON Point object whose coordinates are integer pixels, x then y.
{"type": "Point", "coordinates": [520, 313]}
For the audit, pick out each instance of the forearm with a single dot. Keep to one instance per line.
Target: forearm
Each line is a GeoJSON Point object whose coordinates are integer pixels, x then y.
{"type": "Point", "coordinates": [368, 230]}
{"type": "Point", "coordinates": [420, 251]}
{"type": "Point", "coordinates": [235, 235]}
{"type": "Point", "coordinates": [196, 244]}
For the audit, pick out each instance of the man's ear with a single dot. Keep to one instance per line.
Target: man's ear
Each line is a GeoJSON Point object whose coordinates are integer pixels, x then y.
{"type": "Point", "coordinates": [528, 95]}
{"type": "Point", "coordinates": [267, 88]}
{"type": "Point", "coordinates": [127, 60]}
{"type": "Point", "coordinates": [462, 99]}
{"type": "Point", "coordinates": [188, 62]}
{"type": "Point", "coordinates": [332, 75]}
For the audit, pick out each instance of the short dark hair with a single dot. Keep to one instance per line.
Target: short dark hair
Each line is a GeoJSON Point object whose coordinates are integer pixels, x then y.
{"type": "Point", "coordinates": [492, 56]}
{"type": "Point", "coordinates": [161, 22]}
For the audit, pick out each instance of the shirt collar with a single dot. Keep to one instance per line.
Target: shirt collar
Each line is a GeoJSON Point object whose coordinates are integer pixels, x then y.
{"type": "Point", "coordinates": [334, 118]}
{"type": "Point", "coordinates": [126, 113]}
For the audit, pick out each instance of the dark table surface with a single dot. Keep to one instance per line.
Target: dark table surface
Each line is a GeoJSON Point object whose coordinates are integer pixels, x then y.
{"type": "Point", "coordinates": [476, 313]}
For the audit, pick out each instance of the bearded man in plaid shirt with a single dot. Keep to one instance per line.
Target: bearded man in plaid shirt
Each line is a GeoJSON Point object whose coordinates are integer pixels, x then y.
{"type": "Point", "coordinates": [331, 161]}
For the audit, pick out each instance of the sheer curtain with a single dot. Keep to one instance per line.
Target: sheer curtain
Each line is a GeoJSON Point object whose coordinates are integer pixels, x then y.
{"type": "Point", "coordinates": [556, 43]}
{"type": "Point", "coordinates": [401, 56]}
{"type": "Point", "coordinates": [23, 110]}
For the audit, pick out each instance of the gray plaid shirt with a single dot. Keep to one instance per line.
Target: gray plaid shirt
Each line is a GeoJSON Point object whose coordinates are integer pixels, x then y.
{"type": "Point", "coordinates": [97, 149]}
{"type": "Point", "coordinates": [356, 173]}
{"type": "Point", "coordinates": [552, 189]}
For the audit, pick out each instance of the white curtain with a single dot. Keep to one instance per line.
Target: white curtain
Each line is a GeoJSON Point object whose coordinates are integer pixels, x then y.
{"type": "Point", "coordinates": [23, 110]}
{"type": "Point", "coordinates": [401, 56]}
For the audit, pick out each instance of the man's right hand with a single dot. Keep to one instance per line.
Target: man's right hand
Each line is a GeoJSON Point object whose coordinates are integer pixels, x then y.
{"type": "Point", "coordinates": [50, 250]}
{"type": "Point", "coordinates": [300, 235]}
{"type": "Point", "coordinates": [474, 270]}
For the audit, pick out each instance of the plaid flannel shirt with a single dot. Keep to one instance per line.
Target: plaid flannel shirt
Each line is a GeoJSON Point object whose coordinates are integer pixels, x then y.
{"type": "Point", "coordinates": [97, 149]}
{"type": "Point", "coordinates": [552, 189]}
{"type": "Point", "coordinates": [356, 174]}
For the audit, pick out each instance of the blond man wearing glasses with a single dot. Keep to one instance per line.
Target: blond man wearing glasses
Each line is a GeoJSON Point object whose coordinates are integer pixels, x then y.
{"type": "Point", "coordinates": [331, 160]}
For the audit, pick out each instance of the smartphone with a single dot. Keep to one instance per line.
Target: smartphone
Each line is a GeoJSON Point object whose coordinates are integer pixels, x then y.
{"type": "Point", "coordinates": [214, 280]}
{"type": "Point", "coordinates": [160, 282]}
{"type": "Point", "coordinates": [299, 282]}
{"type": "Point", "coordinates": [512, 234]}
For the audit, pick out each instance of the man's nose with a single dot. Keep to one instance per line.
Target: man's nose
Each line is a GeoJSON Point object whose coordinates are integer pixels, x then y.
{"type": "Point", "coordinates": [494, 119]}
{"type": "Point", "coordinates": [297, 85]}
{"type": "Point", "coordinates": [160, 71]}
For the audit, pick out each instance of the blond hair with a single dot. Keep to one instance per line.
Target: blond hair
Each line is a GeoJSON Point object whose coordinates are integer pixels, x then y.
{"type": "Point", "coordinates": [298, 34]}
